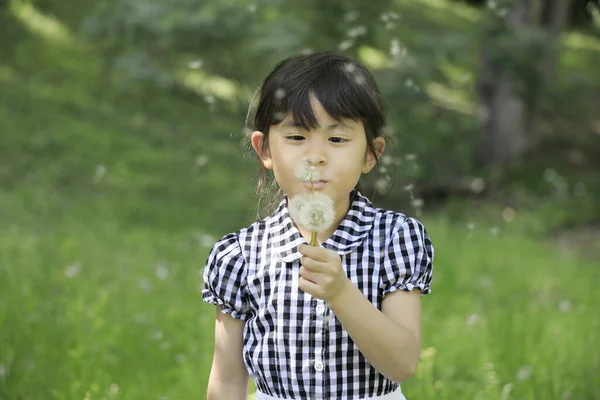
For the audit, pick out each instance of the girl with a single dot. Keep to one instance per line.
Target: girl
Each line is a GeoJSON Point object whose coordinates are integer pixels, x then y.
{"type": "Point", "coordinates": [340, 319]}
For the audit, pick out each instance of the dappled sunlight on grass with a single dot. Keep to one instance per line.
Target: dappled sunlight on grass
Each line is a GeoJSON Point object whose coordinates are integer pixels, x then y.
{"type": "Point", "coordinates": [37, 22]}
{"type": "Point", "coordinates": [456, 8]}
{"type": "Point", "coordinates": [373, 58]}
{"type": "Point", "coordinates": [449, 98]}
{"type": "Point", "coordinates": [578, 41]}
{"type": "Point", "coordinates": [207, 85]}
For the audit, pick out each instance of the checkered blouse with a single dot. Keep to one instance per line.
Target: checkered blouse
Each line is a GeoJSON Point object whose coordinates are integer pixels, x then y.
{"type": "Point", "coordinates": [294, 346]}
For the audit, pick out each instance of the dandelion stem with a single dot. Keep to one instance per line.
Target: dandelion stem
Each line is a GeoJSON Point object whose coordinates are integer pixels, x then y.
{"type": "Point", "coordinates": [313, 238]}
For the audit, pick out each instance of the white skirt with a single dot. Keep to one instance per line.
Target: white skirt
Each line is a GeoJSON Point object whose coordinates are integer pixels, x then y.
{"type": "Point", "coordinates": [395, 395]}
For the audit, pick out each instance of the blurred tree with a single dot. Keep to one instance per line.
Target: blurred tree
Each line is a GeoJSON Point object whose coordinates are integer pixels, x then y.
{"type": "Point", "coordinates": [580, 11]}
{"type": "Point", "coordinates": [519, 56]}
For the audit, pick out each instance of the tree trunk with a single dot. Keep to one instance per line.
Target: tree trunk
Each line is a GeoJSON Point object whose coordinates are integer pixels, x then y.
{"type": "Point", "coordinates": [505, 115]}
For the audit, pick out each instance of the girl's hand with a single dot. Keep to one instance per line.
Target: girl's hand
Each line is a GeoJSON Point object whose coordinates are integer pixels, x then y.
{"type": "Point", "coordinates": [321, 272]}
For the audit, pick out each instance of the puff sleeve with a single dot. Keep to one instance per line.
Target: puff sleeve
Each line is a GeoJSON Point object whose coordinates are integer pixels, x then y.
{"type": "Point", "coordinates": [225, 278]}
{"type": "Point", "coordinates": [408, 259]}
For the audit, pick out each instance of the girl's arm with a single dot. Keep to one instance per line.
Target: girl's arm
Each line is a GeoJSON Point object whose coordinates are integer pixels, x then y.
{"type": "Point", "coordinates": [389, 339]}
{"type": "Point", "coordinates": [228, 375]}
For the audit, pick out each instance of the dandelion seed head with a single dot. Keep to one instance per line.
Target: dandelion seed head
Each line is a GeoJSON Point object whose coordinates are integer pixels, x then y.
{"type": "Point", "coordinates": [100, 173]}
{"type": "Point", "coordinates": [350, 67]}
{"type": "Point", "coordinates": [196, 64]}
{"type": "Point", "coordinates": [356, 31]}
{"type": "Point", "coordinates": [478, 185]}
{"type": "Point", "coordinates": [382, 185]}
{"type": "Point", "coordinates": [315, 211]}
{"type": "Point", "coordinates": [345, 45]}
{"type": "Point", "coordinates": [509, 214]}
{"type": "Point", "coordinates": [417, 203]}
{"type": "Point", "coordinates": [307, 172]}
{"type": "Point", "coordinates": [280, 93]}
{"type": "Point", "coordinates": [359, 79]}
{"type": "Point", "coordinates": [206, 240]}
{"type": "Point", "coordinates": [201, 160]}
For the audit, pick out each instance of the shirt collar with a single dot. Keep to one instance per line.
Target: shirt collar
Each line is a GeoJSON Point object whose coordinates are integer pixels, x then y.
{"type": "Point", "coordinates": [351, 232]}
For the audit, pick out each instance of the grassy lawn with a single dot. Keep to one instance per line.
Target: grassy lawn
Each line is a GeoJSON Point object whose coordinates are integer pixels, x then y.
{"type": "Point", "coordinates": [92, 307]}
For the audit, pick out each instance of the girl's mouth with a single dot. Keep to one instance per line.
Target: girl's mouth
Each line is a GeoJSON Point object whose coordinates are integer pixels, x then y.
{"type": "Point", "coordinates": [315, 185]}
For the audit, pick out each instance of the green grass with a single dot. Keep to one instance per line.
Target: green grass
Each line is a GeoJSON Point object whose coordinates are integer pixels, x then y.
{"type": "Point", "coordinates": [89, 303]}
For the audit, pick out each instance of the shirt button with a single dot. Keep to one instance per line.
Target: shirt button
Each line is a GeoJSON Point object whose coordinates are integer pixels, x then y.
{"type": "Point", "coordinates": [319, 366]}
{"type": "Point", "coordinates": [320, 309]}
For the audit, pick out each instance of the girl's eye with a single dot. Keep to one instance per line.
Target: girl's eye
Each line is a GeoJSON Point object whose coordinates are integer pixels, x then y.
{"type": "Point", "coordinates": [295, 137]}
{"type": "Point", "coordinates": [337, 139]}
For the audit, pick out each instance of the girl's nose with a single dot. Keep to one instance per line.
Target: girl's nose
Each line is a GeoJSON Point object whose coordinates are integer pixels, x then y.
{"type": "Point", "coordinates": [316, 159]}
{"type": "Point", "coordinates": [316, 155]}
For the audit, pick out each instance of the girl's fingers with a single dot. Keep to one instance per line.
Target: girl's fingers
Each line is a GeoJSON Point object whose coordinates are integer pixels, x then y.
{"type": "Point", "coordinates": [308, 274]}
{"type": "Point", "coordinates": [307, 286]}
{"type": "Point", "coordinates": [312, 264]}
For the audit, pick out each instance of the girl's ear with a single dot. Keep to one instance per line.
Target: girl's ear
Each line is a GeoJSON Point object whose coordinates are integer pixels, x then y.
{"type": "Point", "coordinates": [257, 140]}
{"type": "Point", "coordinates": [371, 159]}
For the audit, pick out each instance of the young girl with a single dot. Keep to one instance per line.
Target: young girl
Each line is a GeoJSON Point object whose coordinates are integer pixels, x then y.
{"type": "Point", "coordinates": [340, 319]}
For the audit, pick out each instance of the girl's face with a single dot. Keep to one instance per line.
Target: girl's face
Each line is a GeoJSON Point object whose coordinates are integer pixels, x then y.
{"type": "Point", "coordinates": [338, 149]}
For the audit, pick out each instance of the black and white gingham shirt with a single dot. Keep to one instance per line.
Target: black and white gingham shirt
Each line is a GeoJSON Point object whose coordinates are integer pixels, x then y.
{"type": "Point", "coordinates": [294, 346]}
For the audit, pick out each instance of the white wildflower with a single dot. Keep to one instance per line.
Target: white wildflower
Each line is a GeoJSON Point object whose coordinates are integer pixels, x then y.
{"type": "Point", "coordinates": [564, 306]}
{"type": "Point", "coordinates": [113, 389]}
{"type": "Point", "coordinates": [472, 320]}
{"type": "Point", "coordinates": [162, 272]}
{"type": "Point", "coordinates": [524, 373]}
{"type": "Point", "coordinates": [314, 212]}
{"type": "Point", "coordinates": [72, 270]}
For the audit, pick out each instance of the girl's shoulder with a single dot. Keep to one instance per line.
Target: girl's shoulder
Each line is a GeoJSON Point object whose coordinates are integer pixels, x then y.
{"type": "Point", "coordinates": [393, 221]}
{"type": "Point", "coordinates": [241, 240]}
